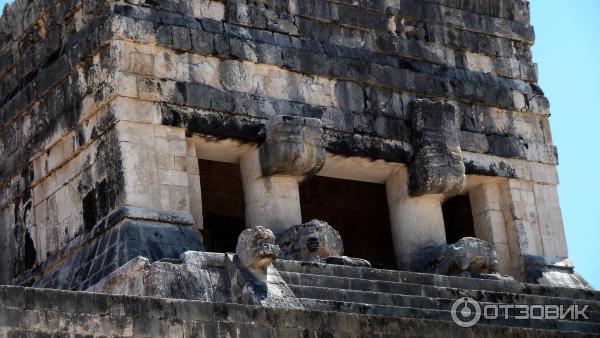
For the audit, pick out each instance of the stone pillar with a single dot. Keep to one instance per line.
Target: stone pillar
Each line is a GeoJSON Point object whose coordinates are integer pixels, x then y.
{"type": "Point", "coordinates": [489, 223]}
{"type": "Point", "coordinates": [195, 191]}
{"type": "Point", "coordinates": [533, 225]}
{"type": "Point", "coordinates": [436, 170]}
{"type": "Point", "coordinates": [417, 222]}
{"type": "Point", "coordinates": [292, 151]}
{"type": "Point", "coordinates": [271, 201]}
{"type": "Point", "coordinates": [154, 164]}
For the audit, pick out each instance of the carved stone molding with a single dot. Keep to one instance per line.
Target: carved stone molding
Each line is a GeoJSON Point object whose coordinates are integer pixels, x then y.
{"type": "Point", "coordinates": [437, 165]}
{"type": "Point", "coordinates": [294, 147]}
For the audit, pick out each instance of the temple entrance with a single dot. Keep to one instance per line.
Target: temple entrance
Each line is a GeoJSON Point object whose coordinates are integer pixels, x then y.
{"type": "Point", "coordinates": [358, 210]}
{"type": "Point", "coordinates": [222, 205]}
{"type": "Point", "coordinates": [458, 219]}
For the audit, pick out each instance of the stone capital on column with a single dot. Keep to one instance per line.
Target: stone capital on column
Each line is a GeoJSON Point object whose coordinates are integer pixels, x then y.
{"type": "Point", "coordinates": [292, 151]}
{"type": "Point", "coordinates": [437, 166]}
{"type": "Point", "coordinates": [294, 147]}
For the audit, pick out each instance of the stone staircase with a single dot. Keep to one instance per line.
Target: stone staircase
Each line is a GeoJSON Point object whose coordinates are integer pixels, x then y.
{"type": "Point", "coordinates": [327, 287]}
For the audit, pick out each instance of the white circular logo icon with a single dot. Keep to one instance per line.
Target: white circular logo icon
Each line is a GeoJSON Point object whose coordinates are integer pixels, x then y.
{"type": "Point", "coordinates": [465, 312]}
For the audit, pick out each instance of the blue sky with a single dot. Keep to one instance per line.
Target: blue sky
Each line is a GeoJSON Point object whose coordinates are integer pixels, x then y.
{"type": "Point", "coordinates": [567, 50]}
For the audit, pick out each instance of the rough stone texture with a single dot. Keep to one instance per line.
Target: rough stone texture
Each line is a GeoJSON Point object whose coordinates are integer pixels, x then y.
{"type": "Point", "coordinates": [270, 201]}
{"type": "Point", "coordinates": [553, 272]}
{"type": "Point", "coordinates": [437, 166]}
{"type": "Point", "coordinates": [194, 275]}
{"type": "Point", "coordinates": [395, 295]}
{"type": "Point", "coordinates": [254, 280]}
{"type": "Point", "coordinates": [268, 290]}
{"type": "Point", "coordinates": [489, 222]}
{"type": "Point", "coordinates": [417, 295]}
{"type": "Point", "coordinates": [417, 223]}
{"type": "Point", "coordinates": [294, 147]}
{"type": "Point", "coordinates": [126, 280]}
{"type": "Point", "coordinates": [100, 102]}
{"type": "Point", "coordinates": [348, 261]}
{"type": "Point", "coordinates": [469, 257]}
{"type": "Point", "coordinates": [256, 249]}
{"type": "Point", "coordinates": [51, 312]}
{"type": "Point", "coordinates": [315, 241]}
{"type": "Point", "coordinates": [310, 242]}
{"type": "Point", "coordinates": [81, 264]}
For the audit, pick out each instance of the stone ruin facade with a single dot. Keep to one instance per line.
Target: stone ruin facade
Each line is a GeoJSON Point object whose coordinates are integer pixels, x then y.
{"type": "Point", "coordinates": [139, 138]}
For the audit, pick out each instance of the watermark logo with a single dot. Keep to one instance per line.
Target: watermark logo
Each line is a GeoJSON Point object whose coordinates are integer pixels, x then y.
{"type": "Point", "coordinates": [467, 312]}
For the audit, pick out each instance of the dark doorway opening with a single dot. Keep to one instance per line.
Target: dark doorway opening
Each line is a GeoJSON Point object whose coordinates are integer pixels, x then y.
{"type": "Point", "coordinates": [458, 219]}
{"type": "Point", "coordinates": [358, 210]}
{"type": "Point", "coordinates": [222, 205]}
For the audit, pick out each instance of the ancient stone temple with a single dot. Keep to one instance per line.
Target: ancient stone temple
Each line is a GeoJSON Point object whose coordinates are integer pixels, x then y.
{"type": "Point", "coordinates": [277, 168]}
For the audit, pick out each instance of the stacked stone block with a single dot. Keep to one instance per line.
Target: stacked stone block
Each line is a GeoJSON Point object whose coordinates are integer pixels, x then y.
{"type": "Point", "coordinates": [35, 312]}
{"type": "Point", "coordinates": [101, 104]}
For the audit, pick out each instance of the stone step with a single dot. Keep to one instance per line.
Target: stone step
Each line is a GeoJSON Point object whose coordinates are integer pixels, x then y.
{"type": "Point", "coordinates": [311, 280]}
{"type": "Point", "coordinates": [366, 297]}
{"type": "Point", "coordinates": [435, 280]}
{"type": "Point", "coordinates": [431, 314]}
{"type": "Point", "coordinates": [397, 300]}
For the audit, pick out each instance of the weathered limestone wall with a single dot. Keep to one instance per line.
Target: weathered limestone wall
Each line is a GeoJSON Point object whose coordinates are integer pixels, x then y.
{"type": "Point", "coordinates": [41, 312]}
{"type": "Point", "coordinates": [67, 158]}
{"type": "Point", "coordinates": [100, 104]}
{"type": "Point", "coordinates": [51, 161]}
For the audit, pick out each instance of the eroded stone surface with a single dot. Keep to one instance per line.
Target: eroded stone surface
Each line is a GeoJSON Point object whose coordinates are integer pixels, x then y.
{"type": "Point", "coordinates": [315, 241]}
{"type": "Point", "coordinates": [310, 242]}
{"type": "Point", "coordinates": [294, 146]}
{"type": "Point", "coordinates": [256, 249]}
{"type": "Point", "coordinates": [468, 257]}
{"type": "Point", "coordinates": [269, 290]}
{"type": "Point", "coordinates": [99, 100]}
{"type": "Point", "coordinates": [437, 165]}
{"type": "Point", "coordinates": [254, 280]}
{"type": "Point", "coordinates": [348, 261]}
{"type": "Point", "coordinates": [554, 272]}
{"type": "Point", "coordinates": [143, 316]}
{"type": "Point", "coordinates": [195, 275]}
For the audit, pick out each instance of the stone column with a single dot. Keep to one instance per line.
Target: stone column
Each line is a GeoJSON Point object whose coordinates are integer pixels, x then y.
{"type": "Point", "coordinates": [534, 227]}
{"type": "Point", "coordinates": [417, 222]}
{"type": "Point", "coordinates": [194, 186]}
{"type": "Point", "coordinates": [489, 223]}
{"type": "Point", "coordinates": [415, 195]}
{"type": "Point", "coordinates": [271, 201]}
{"type": "Point", "coordinates": [292, 151]}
